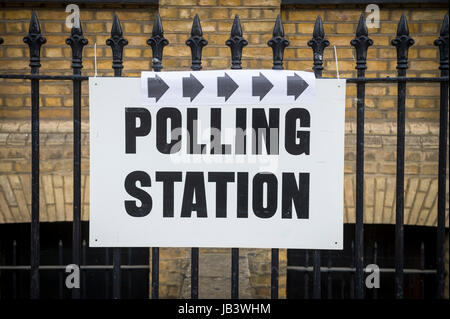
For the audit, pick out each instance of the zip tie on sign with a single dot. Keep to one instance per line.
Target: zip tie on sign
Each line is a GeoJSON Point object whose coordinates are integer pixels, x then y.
{"type": "Point", "coordinates": [335, 57]}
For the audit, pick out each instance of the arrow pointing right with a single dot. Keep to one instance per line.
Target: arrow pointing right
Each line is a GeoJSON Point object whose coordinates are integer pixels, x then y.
{"type": "Point", "coordinates": [191, 87]}
{"type": "Point", "coordinates": [226, 86]}
{"type": "Point", "coordinates": [156, 87]}
{"type": "Point", "coordinates": [296, 85]}
{"type": "Point", "coordinates": [261, 86]}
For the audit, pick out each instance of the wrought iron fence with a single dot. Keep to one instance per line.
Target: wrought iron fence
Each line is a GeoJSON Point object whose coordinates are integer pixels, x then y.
{"type": "Point", "coordinates": [236, 42]}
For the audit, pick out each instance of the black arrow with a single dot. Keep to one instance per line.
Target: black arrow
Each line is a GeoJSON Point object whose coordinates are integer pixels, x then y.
{"type": "Point", "coordinates": [260, 86]}
{"type": "Point", "coordinates": [226, 86]}
{"type": "Point", "coordinates": [296, 85]}
{"type": "Point", "coordinates": [156, 87]}
{"type": "Point", "coordinates": [191, 87]}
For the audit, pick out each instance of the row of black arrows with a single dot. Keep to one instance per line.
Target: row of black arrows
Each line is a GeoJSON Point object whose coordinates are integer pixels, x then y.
{"type": "Point", "coordinates": [226, 86]}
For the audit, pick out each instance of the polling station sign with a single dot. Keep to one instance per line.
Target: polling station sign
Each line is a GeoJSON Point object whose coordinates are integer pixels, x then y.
{"type": "Point", "coordinates": [224, 158]}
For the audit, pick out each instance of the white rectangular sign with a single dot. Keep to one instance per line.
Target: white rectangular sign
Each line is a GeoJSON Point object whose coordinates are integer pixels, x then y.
{"type": "Point", "coordinates": [189, 159]}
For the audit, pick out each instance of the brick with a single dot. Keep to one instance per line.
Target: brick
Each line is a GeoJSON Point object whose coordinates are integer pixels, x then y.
{"type": "Point", "coordinates": [345, 28]}
{"type": "Point", "coordinates": [420, 90]}
{"type": "Point", "coordinates": [105, 15]}
{"type": "Point", "coordinates": [53, 53]}
{"type": "Point", "coordinates": [305, 15]}
{"type": "Point", "coordinates": [430, 14]}
{"type": "Point", "coordinates": [12, 14]}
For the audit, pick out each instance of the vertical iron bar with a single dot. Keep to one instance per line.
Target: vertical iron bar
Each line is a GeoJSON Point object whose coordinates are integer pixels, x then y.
{"type": "Point", "coordinates": [157, 42]}
{"type": "Point", "coordinates": [117, 43]}
{"type": "Point", "coordinates": [361, 43]}
{"type": "Point", "coordinates": [306, 276]}
{"type": "Point", "coordinates": [442, 42]}
{"type": "Point", "coordinates": [129, 273]}
{"type": "Point", "coordinates": [34, 39]}
{"type": "Point", "coordinates": [375, 260]}
{"type": "Point", "coordinates": [318, 43]}
{"type": "Point", "coordinates": [329, 278]}
{"type": "Point", "coordinates": [274, 274]}
{"type": "Point", "coordinates": [194, 272]}
{"type": "Point", "coordinates": [402, 42]}
{"type": "Point", "coordinates": [83, 271]}
{"type": "Point", "coordinates": [60, 272]}
{"type": "Point", "coordinates": [14, 273]}
{"type": "Point", "coordinates": [107, 274]}
{"type": "Point", "coordinates": [422, 267]}
{"type": "Point", "coordinates": [76, 42]}
{"type": "Point", "coordinates": [278, 43]}
{"type": "Point", "coordinates": [236, 43]}
{"type": "Point", "coordinates": [352, 274]}
{"type": "Point", "coordinates": [234, 273]}
{"type": "Point", "coordinates": [196, 42]}
{"type": "Point", "coordinates": [317, 276]}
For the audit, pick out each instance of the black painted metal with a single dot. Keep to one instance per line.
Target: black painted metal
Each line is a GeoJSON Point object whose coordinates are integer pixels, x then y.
{"type": "Point", "coordinates": [375, 261]}
{"type": "Point", "coordinates": [422, 267]}
{"type": "Point", "coordinates": [442, 42]}
{"type": "Point", "coordinates": [60, 273]}
{"type": "Point", "coordinates": [388, 79]}
{"type": "Point", "coordinates": [278, 44]}
{"type": "Point", "coordinates": [117, 42]}
{"type": "Point", "coordinates": [196, 42]}
{"type": "Point", "coordinates": [236, 43]}
{"type": "Point", "coordinates": [35, 40]}
{"type": "Point", "coordinates": [76, 41]}
{"type": "Point", "coordinates": [157, 42]}
{"type": "Point", "coordinates": [194, 272]}
{"type": "Point", "coordinates": [107, 274]}
{"type": "Point", "coordinates": [402, 42]}
{"type": "Point", "coordinates": [234, 273]}
{"type": "Point", "coordinates": [361, 43]}
{"type": "Point", "coordinates": [274, 274]}
{"type": "Point", "coordinates": [14, 273]}
{"type": "Point", "coordinates": [317, 280]}
{"type": "Point", "coordinates": [130, 252]}
{"type": "Point", "coordinates": [306, 276]}
{"type": "Point", "coordinates": [329, 277]}
{"type": "Point", "coordinates": [318, 43]}
{"type": "Point", "coordinates": [83, 270]}
{"type": "Point", "coordinates": [352, 275]}
{"type": "Point", "coordinates": [356, 2]}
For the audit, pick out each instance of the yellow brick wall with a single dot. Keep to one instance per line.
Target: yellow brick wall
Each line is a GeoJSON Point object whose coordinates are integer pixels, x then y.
{"type": "Point", "coordinates": [257, 18]}
{"type": "Point", "coordinates": [56, 96]}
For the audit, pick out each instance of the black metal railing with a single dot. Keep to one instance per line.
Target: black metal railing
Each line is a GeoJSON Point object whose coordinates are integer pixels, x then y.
{"type": "Point", "coordinates": [236, 42]}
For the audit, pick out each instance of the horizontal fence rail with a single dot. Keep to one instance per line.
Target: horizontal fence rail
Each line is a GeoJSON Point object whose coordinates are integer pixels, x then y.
{"type": "Point", "coordinates": [237, 42]}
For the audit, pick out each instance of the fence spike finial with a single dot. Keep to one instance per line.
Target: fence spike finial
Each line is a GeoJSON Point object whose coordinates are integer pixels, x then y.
{"type": "Point", "coordinates": [361, 30]}
{"type": "Point", "coordinates": [157, 42]}
{"type": "Point", "coordinates": [35, 40]}
{"type": "Point", "coordinates": [117, 42]}
{"type": "Point", "coordinates": [402, 42]}
{"type": "Point", "coordinates": [196, 42]}
{"type": "Point", "coordinates": [77, 41]}
{"type": "Point", "coordinates": [442, 43]}
{"type": "Point", "coordinates": [318, 43]}
{"type": "Point", "coordinates": [361, 42]}
{"type": "Point", "coordinates": [278, 44]}
{"type": "Point", "coordinates": [236, 43]}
